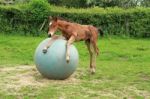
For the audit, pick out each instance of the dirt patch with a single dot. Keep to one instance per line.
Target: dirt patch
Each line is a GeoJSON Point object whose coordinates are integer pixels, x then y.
{"type": "Point", "coordinates": [13, 79]}
{"type": "Point", "coordinates": [143, 93]}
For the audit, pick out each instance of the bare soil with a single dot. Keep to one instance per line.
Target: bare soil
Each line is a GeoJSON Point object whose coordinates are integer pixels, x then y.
{"type": "Point", "coordinates": [13, 79]}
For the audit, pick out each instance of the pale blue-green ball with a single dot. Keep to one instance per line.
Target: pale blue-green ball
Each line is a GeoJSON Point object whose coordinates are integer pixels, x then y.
{"type": "Point", "coordinates": [53, 64]}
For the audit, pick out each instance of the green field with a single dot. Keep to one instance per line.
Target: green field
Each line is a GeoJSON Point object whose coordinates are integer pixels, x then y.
{"type": "Point", "coordinates": [123, 71]}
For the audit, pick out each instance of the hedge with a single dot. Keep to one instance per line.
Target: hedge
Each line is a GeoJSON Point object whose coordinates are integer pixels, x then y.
{"type": "Point", "coordinates": [132, 22]}
{"type": "Point", "coordinates": [28, 18]}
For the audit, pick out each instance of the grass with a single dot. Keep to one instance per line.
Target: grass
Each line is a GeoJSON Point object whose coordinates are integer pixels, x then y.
{"type": "Point", "coordinates": [14, 49]}
{"type": "Point", "coordinates": [123, 71]}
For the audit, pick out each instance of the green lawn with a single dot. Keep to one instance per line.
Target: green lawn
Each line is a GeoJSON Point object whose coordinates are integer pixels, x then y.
{"type": "Point", "coordinates": [123, 71]}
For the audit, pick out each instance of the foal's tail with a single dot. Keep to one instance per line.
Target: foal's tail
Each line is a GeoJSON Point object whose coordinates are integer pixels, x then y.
{"type": "Point", "coordinates": [100, 31]}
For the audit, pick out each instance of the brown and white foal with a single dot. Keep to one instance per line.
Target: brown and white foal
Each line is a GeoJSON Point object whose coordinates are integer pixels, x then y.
{"type": "Point", "coordinates": [75, 32]}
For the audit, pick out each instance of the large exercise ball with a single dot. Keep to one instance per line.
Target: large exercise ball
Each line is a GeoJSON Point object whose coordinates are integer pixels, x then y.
{"type": "Point", "coordinates": [53, 64]}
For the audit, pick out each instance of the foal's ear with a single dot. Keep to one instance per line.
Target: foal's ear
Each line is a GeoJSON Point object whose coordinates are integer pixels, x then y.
{"type": "Point", "coordinates": [55, 18]}
{"type": "Point", "coordinates": [50, 18]}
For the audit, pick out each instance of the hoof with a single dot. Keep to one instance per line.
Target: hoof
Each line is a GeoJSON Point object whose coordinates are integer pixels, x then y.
{"type": "Point", "coordinates": [92, 70]}
{"type": "Point", "coordinates": [44, 51]}
{"type": "Point", "coordinates": [67, 59]}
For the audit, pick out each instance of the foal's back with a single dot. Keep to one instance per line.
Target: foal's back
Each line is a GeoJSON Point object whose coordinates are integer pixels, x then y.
{"type": "Point", "coordinates": [80, 32]}
{"type": "Point", "coordinates": [85, 32]}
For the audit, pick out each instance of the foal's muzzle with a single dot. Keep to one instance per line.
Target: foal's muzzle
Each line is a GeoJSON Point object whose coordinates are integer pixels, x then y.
{"type": "Point", "coordinates": [49, 35]}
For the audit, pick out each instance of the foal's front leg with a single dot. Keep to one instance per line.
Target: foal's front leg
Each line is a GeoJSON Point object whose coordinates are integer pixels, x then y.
{"type": "Point", "coordinates": [69, 42]}
{"type": "Point", "coordinates": [51, 41]}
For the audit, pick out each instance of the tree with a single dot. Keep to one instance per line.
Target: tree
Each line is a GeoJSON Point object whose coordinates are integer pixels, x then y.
{"type": "Point", "coordinates": [145, 3]}
{"type": "Point", "coordinates": [101, 3]}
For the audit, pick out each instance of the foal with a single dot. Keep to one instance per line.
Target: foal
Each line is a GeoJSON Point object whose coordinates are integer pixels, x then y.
{"type": "Point", "coordinates": [75, 32]}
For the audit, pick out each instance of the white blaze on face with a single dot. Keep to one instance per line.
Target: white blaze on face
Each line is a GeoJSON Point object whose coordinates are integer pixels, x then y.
{"type": "Point", "coordinates": [50, 23]}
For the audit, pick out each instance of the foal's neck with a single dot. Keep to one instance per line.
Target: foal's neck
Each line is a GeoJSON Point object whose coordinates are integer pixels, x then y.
{"type": "Point", "coordinates": [61, 24]}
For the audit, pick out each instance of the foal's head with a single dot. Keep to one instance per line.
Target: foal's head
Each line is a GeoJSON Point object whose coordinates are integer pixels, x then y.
{"type": "Point", "coordinates": [53, 25]}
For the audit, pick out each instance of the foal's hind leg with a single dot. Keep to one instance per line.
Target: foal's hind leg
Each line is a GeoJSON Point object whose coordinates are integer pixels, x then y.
{"type": "Point", "coordinates": [92, 57]}
{"type": "Point", "coordinates": [51, 41]}
{"type": "Point", "coordinates": [95, 47]}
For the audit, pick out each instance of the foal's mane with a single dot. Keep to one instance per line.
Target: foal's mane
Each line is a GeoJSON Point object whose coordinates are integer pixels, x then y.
{"type": "Point", "coordinates": [60, 18]}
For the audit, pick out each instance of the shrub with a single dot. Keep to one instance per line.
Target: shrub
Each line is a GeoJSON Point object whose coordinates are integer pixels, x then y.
{"type": "Point", "coordinates": [116, 21]}
{"type": "Point", "coordinates": [28, 18]}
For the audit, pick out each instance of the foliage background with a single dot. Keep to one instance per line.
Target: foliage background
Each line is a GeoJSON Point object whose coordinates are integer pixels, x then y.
{"type": "Point", "coordinates": [101, 3]}
{"type": "Point", "coordinates": [27, 18]}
